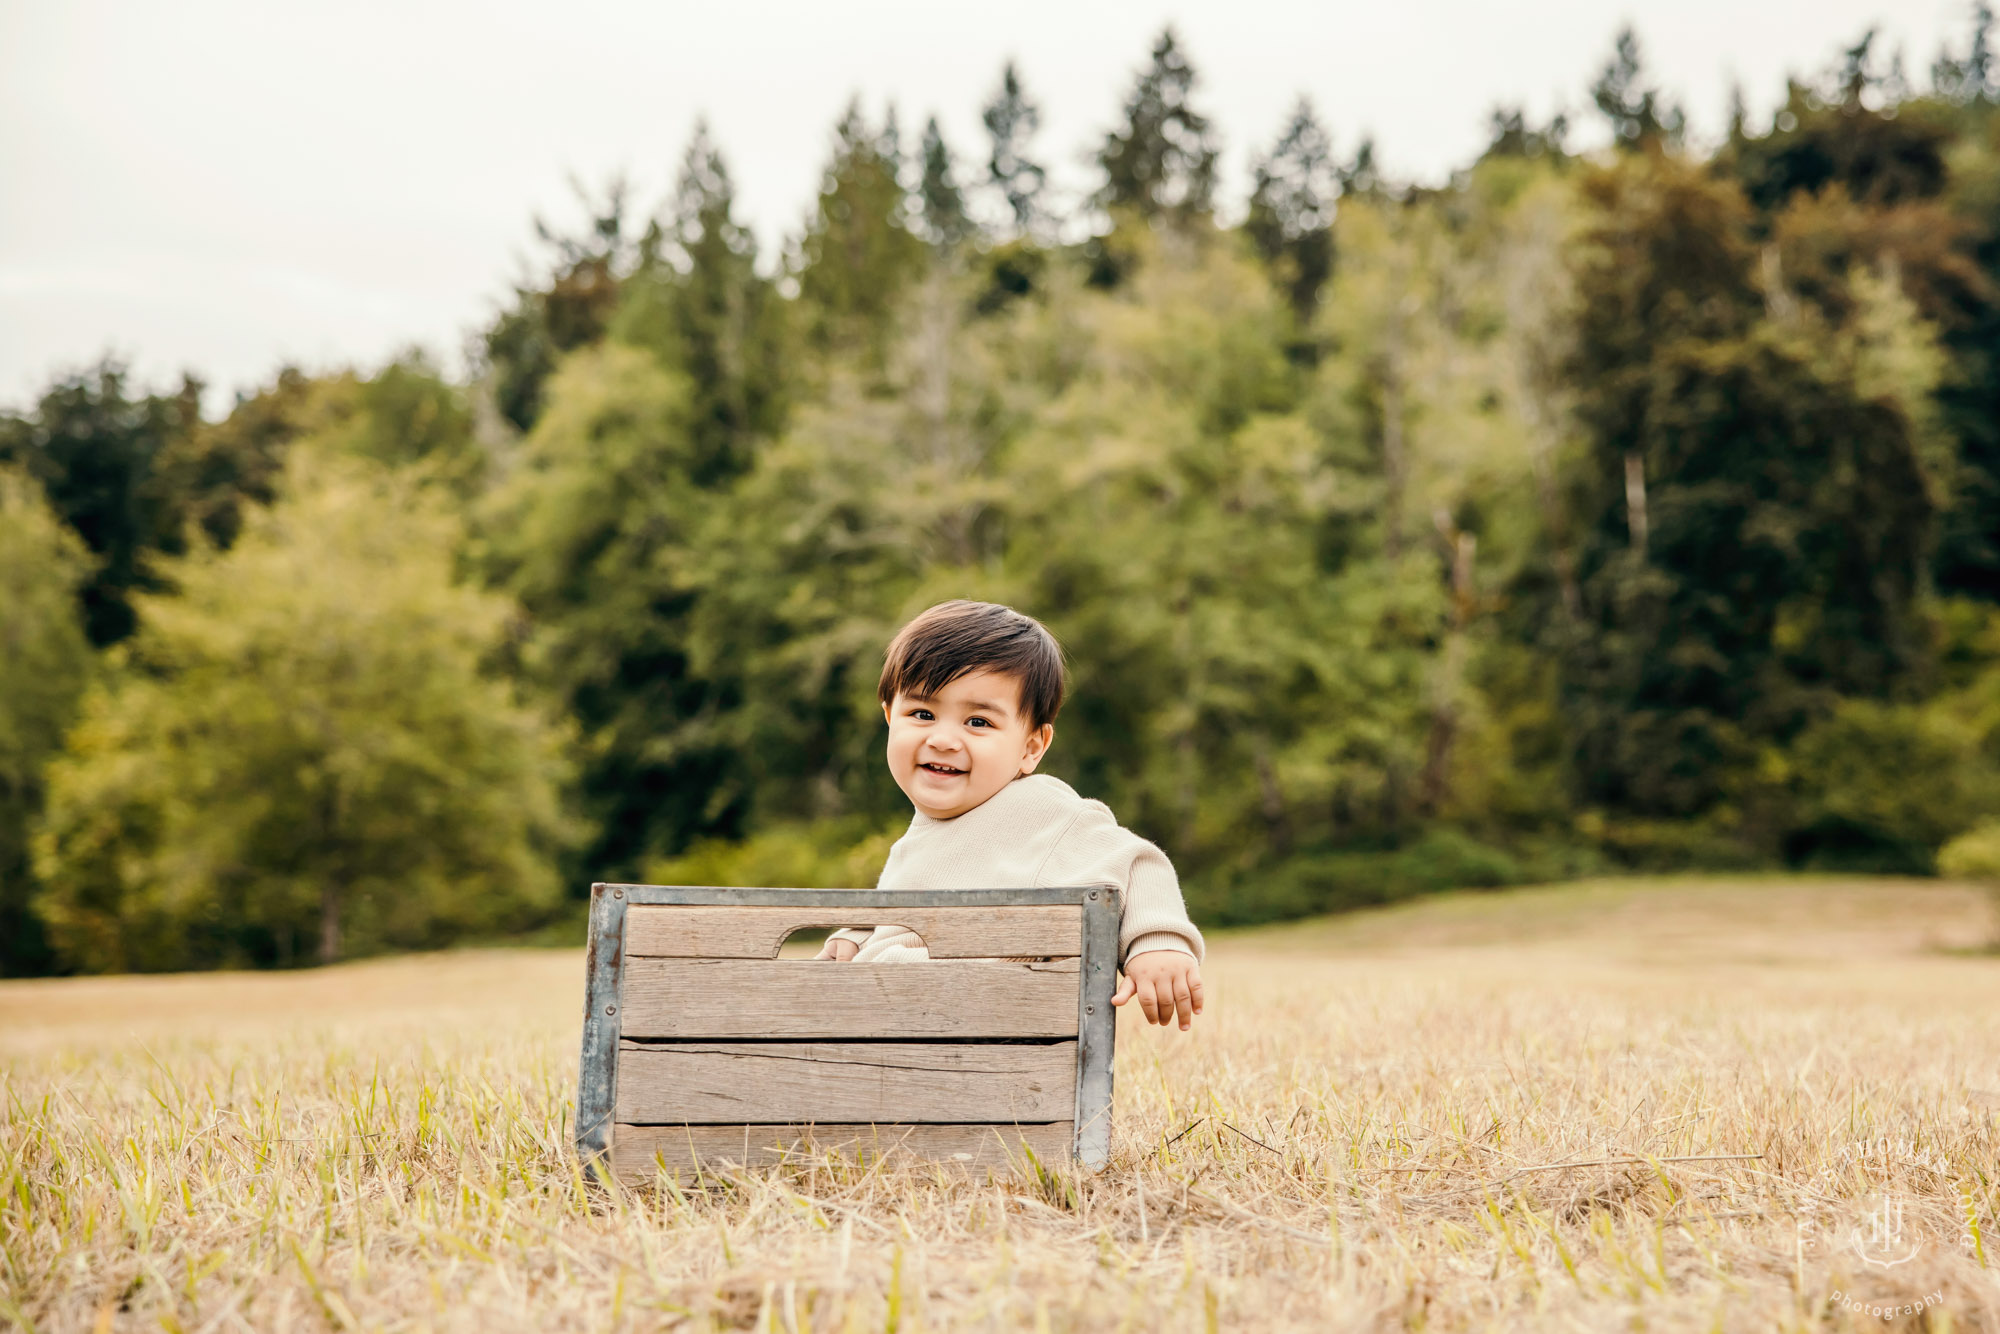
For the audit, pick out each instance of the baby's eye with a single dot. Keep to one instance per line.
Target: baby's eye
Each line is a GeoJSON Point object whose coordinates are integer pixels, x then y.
{"type": "Point", "coordinates": [977, 722]}
{"type": "Point", "coordinates": [921, 715]}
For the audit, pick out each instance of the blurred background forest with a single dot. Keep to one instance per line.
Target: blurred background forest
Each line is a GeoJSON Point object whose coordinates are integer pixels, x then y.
{"type": "Point", "coordinates": [1634, 509]}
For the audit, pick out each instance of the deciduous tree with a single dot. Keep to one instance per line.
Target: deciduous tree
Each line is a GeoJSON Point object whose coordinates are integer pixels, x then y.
{"type": "Point", "coordinates": [302, 754]}
{"type": "Point", "coordinates": [45, 660]}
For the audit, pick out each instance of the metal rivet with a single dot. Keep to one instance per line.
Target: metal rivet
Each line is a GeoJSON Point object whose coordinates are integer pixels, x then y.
{"type": "Point", "coordinates": [611, 1009]}
{"type": "Point", "coordinates": [617, 893]}
{"type": "Point", "coordinates": [1093, 894]}
{"type": "Point", "coordinates": [1090, 1009]}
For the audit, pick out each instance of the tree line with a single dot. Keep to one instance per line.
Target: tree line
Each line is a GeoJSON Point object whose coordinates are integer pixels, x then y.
{"type": "Point", "coordinates": [1628, 509]}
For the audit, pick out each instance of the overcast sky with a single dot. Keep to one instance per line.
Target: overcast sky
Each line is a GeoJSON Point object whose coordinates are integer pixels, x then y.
{"type": "Point", "coordinates": [227, 185]}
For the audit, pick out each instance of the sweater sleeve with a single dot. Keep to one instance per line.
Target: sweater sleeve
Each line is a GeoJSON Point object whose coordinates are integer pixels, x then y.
{"type": "Point", "coordinates": [1155, 916]}
{"type": "Point", "coordinates": [1097, 848]}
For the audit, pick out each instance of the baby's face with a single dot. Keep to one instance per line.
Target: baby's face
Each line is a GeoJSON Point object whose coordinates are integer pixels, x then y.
{"type": "Point", "coordinates": [951, 752]}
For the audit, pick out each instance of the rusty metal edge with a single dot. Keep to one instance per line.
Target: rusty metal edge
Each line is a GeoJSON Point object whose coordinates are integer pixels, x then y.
{"type": "Point", "coordinates": [597, 1061]}
{"type": "Point", "coordinates": [1096, 1026]}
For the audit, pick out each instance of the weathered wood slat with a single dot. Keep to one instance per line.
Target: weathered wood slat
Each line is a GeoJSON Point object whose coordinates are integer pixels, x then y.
{"type": "Point", "coordinates": [720, 1083]}
{"type": "Point", "coordinates": [800, 998]}
{"type": "Point", "coordinates": [757, 932]}
{"type": "Point", "coordinates": [637, 1152]}
{"type": "Point", "coordinates": [845, 900]}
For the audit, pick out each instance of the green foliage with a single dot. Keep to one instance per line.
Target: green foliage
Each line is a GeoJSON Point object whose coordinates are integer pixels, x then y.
{"type": "Point", "coordinates": [406, 415]}
{"type": "Point", "coordinates": [1239, 683]}
{"type": "Point", "coordinates": [1968, 555]}
{"type": "Point", "coordinates": [595, 533]}
{"type": "Point", "coordinates": [698, 302]}
{"type": "Point", "coordinates": [571, 308]}
{"type": "Point", "coordinates": [1881, 160]}
{"type": "Point", "coordinates": [1640, 117]}
{"type": "Point", "coordinates": [1291, 209]}
{"type": "Point", "coordinates": [105, 459]}
{"type": "Point", "coordinates": [825, 854]}
{"type": "Point", "coordinates": [276, 768]}
{"type": "Point", "coordinates": [1973, 855]}
{"type": "Point", "coordinates": [858, 254]}
{"type": "Point", "coordinates": [1362, 876]}
{"type": "Point", "coordinates": [940, 204]}
{"type": "Point", "coordinates": [1716, 422]}
{"type": "Point", "coordinates": [1514, 137]}
{"type": "Point", "coordinates": [1881, 787]}
{"type": "Point", "coordinates": [45, 660]}
{"type": "Point", "coordinates": [228, 465]}
{"type": "Point", "coordinates": [409, 417]}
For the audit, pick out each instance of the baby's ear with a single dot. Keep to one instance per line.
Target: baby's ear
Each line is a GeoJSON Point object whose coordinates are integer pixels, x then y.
{"type": "Point", "coordinates": [1039, 742]}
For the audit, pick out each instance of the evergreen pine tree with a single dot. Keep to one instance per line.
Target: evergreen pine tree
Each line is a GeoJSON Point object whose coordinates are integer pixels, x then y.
{"type": "Point", "coordinates": [592, 533]}
{"type": "Point", "coordinates": [1361, 175]}
{"type": "Point", "coordinates": [1161, 162]}
{"type": "Point", "coordinates": [1291, 209]}
{"type": "Point", "coordinates": [940, 202]}
{"type": "Point", "coordinates": [1969, 78]}
{"type": "Point", "coordinates": [570, 309]}
{"type": "Point", "coordinates": [1011, 119]}
{"type": "Point", "coordinates": [858, 253]}
{"type": "Point", "coordinates": [1857, 72]}
{"type": "Point", "coordinates": [1512, 136]}
{"type": "Point", "coordinates": [1640, 117]}
{"type": "Point", "coordinates": [699, 302]}
{"type": "Point", "coordinates": [105, 459]}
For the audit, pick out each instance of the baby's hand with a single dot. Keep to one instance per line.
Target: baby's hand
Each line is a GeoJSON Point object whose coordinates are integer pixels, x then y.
{"type": "Point", "coordinates": [1167, 983]}
{"type": "Point", "coordinates": [838, 948]}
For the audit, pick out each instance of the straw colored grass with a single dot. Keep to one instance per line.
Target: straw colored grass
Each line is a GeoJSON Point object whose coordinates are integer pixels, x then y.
{"type": "Point", "coordinates": [1620, 1105]}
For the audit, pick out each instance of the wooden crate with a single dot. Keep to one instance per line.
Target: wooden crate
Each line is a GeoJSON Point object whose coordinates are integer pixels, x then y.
{"type": "Point", "coordinates": [702, 1047]}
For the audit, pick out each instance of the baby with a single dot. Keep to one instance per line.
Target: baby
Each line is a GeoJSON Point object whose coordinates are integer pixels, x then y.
{"type": "Point", "coordinates": [970, 691]}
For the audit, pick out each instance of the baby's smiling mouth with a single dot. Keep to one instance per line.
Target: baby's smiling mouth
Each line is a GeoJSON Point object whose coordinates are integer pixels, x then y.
{"type": "Point", "coordinates": [938, 768]}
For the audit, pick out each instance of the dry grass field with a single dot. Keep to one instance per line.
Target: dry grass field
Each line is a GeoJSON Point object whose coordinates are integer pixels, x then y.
{"type": "Point", "coordinates": [1625, 1105]}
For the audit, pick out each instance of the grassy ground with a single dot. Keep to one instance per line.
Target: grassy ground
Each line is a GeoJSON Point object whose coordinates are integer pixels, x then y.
{"type": "Point", "coordinates": [1615, 1105]}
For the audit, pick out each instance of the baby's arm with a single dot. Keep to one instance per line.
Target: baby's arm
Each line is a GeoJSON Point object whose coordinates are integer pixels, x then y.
{"type": "Point", "coordinates": [1162, 947]}
{"type": "Point", "coordinates": [845, 943]}
{"type": "Point", "coordinates": [1167, 983]}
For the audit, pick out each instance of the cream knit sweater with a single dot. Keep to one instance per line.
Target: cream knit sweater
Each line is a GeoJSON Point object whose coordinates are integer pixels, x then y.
{"type": "Point", "coordinates": [1036, 831]}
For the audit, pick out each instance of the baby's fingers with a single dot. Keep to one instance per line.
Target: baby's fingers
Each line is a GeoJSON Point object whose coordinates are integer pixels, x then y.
{"type": "Point", "coordinates": [1194, 989]}
{"type": "Point", "coordinates": [1154, 1002]}
{"type": "Point", "coordinates": [1125, 989]}
{"type": "Point", "coordinates": [1183, 1002]}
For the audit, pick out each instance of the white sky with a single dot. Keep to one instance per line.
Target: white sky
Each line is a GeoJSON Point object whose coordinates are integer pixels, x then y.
{"type": "Point", "coordinates": [226, 185]}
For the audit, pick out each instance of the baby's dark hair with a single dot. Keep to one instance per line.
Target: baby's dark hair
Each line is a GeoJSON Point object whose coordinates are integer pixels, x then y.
{"type": "Point", "coordinates": [957, 637]}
